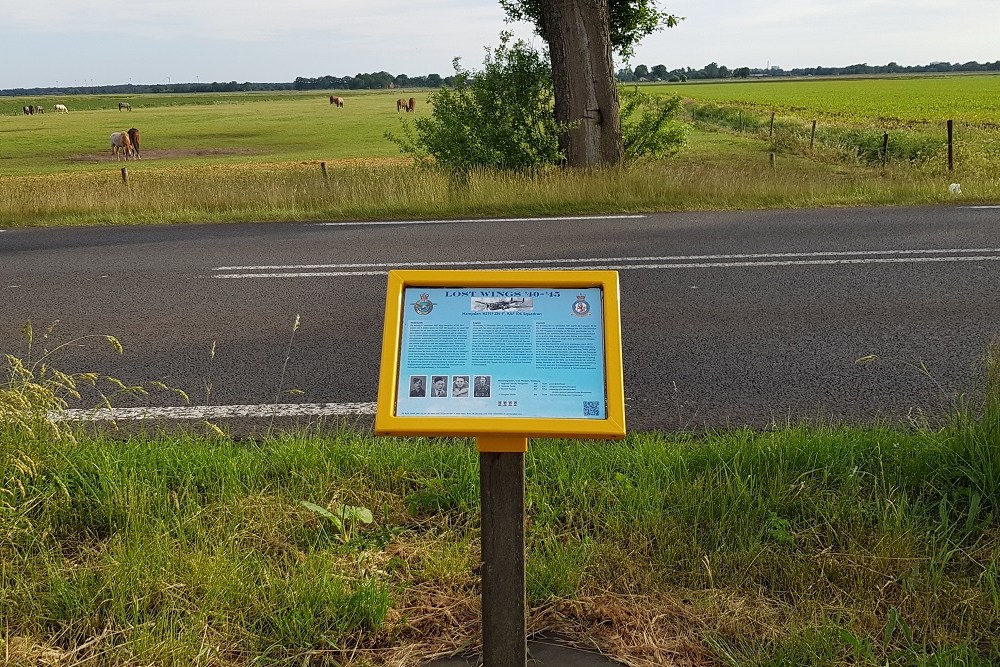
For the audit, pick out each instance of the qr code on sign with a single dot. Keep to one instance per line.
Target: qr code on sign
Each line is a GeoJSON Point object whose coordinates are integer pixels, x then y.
{"type": "Point", "coordinates": [591, 409]}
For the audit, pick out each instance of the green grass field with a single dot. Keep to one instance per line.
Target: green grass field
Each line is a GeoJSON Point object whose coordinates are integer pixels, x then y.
{"type": "Point", "coordinates": [970, 100]}
{"type": "Point", "coordinates": [195, 130]}
{"type": "Point", "coordinates": [807, 546]}
{"type": "Point", "coordinates": [258, 156]}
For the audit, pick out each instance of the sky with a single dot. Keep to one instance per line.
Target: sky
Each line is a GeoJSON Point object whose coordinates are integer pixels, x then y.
{"type": "Point", "coordinates": [98, 42]}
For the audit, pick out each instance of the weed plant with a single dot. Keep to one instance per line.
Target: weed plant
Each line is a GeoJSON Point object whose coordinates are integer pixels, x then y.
{"type": "Point", "coordinates": [804, 545]}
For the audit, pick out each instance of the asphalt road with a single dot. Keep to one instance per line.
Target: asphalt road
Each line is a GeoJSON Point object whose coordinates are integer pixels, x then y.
{"type": "Point", "coordinates": [734, 318]}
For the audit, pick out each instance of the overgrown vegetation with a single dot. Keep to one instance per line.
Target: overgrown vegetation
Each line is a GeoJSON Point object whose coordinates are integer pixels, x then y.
{"type": "Point", "coordinates": [651, 128]}
{"type": "Point", "coordinates": [806, 545]}
{"type": "Point", "coordinates": [920, 148]}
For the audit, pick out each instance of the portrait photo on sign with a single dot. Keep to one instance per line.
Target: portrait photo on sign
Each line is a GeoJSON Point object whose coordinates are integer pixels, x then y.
{"type": "Point", "coordinates": [460, 386]}
{"type": "Point", "coordinates": [418, 386]}
{"type": "Point", "coordinates": [439, 386]}
{"type": "Point", "coordinates": [481, 388]}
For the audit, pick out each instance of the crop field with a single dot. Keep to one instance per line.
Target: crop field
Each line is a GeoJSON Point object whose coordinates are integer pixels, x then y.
{"type": "Point", "coordinates": [967, 99]}
{"type": "Point", "coordinates": [885, 122]}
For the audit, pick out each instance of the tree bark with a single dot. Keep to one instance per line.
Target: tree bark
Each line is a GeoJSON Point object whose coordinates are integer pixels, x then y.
{"type": "Point", "coordinates": [586, 96]}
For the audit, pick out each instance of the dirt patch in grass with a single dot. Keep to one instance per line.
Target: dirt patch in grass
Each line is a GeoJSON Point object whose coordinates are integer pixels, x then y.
{"type": "Point", "coordinates": [175, 153]}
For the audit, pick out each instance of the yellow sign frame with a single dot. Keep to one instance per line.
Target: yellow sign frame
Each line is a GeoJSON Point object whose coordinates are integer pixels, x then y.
{"type": "Point", "coordinates": [501, 433]}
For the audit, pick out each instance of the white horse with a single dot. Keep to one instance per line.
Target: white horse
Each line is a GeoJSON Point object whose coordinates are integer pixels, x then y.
{"type": "Point", "coordinates": [60, 108]}
{"type": "Point", "coordinates": [120, 143]}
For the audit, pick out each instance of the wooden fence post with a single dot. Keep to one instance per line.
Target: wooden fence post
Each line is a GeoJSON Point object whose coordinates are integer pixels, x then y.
{"type": "Point", "coordinates": [885, 148]}
{"type": "Point", "coordinates": [812, 136]}
{"type": "Point", "coordinates": [125, 175]}
{"type": "Point", "coordinates": [770, 159]}
{"type": "Point", "coordinates": [951, 153]}
{"type": "Point", "coordinates": [322, 166]}
{"type": "Point", "coordinates": [770, 131]}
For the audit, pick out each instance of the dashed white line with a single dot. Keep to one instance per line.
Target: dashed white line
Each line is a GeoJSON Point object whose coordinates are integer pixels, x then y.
{"type": "Point", "coordinates": [216, 412]}
{"type": "Point", "coordinates": [627, 263]}
{"type": "Point", "coordinates": [662, 258]}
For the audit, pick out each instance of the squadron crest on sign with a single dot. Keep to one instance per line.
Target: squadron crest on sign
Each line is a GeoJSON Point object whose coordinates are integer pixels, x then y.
{"type": "Point", "coordinates": [424, 306]}
{"type": "Point", "coordinates": [581, 308]}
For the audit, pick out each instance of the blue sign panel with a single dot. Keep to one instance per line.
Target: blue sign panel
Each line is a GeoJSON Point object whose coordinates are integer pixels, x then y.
{"type": "Point", "coordinates": [498, 352]}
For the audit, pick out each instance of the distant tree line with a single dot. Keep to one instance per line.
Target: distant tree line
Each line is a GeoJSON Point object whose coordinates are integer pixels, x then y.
{"type": "Point", "coordinates": [373, 80]}
{"type": "Point", "coordinates": [716, 71]}
{"type": "Point", "coordinates": [136, 89]}
{"type": "Point", "coordinates": [379, 80]}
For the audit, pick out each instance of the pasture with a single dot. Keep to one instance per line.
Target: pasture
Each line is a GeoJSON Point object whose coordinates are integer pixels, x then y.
{"type": "Point", "coordinates": [197, 129]}
{"type": "Point", "coordinates": [257, 156]}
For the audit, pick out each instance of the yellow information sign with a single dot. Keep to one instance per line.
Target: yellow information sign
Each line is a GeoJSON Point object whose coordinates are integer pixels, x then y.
{"type": "Point", "coordinates": [502, 356]}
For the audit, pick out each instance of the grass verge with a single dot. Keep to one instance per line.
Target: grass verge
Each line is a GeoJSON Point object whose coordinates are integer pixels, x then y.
{"type": "Point", "coordinates": [723, 173]}
{"type": "Point", "coordinates": [802, 546]}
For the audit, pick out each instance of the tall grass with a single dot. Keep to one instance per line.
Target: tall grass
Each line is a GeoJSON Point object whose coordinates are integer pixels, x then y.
{"type": "Point", "coordinates": [806, 545]}
{"type": "Point", "coordinates": [916, 146]}
{"type": "Point", "coordinates": [299, 192]}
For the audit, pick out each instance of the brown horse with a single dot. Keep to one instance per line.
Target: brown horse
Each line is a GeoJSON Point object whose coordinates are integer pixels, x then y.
{"type": "Point", "coordinates": [412, 104]}
{"type": "Point", "coordinates": [337, 101]}
{"type": "Point", "coordinates": [135, 136]}
{"type": "Point", "coordinates": [400, 105]}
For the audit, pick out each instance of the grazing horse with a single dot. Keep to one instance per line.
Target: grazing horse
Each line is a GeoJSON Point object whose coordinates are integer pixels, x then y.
{"type": "Point", "coordinates": [400, 105]}
{"type": "Point", "coordinates": [28, 110]}
{"type": "Point", "coordinates": [60, 108]}
{"type": "Point", "coordinates": [134, 136]}
{"type": "Point", "coordinates": [39, 108]}
{"type": "Point", "coordinates": [120, 143]}
{"type": "Point", "coordinates": [412, 104]}
{"type": "Point", "coordinates": [337, 101]}
{"type": "Point", "coordinates": [124, 105]}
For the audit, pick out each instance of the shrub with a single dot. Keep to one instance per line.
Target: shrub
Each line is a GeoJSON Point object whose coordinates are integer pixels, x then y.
{"type": "Point", "coordinates": [650, 129]}
{"type": "Point", "coordinates": [499, 118]}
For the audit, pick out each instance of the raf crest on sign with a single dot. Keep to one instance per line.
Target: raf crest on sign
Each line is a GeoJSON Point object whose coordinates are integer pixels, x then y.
{"type": "Point", "coordinates": [424, 305]}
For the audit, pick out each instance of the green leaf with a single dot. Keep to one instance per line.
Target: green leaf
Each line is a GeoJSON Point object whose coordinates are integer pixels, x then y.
{"type": "Point", "coordinates": [323, 512]}
{"type": "Point", "coordinates": [362, 514]}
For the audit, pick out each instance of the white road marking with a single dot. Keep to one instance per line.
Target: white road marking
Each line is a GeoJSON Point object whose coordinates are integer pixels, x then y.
{"type": "Point", "coordinates": [216, 412]}
{"type": "Point", "coordinates": [445, 222]}
{"type": "Point", "coordinates": [984, 206]}
{"type": "Point", "coordinates": [663, 258]}
{"type": "Point", "coordinates": [627, 263]}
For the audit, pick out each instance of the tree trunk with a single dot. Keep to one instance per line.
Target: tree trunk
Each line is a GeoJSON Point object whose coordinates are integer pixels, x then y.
{"type": "Point", "coordinates": [586, 95]}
